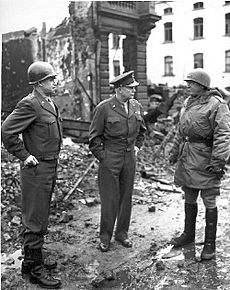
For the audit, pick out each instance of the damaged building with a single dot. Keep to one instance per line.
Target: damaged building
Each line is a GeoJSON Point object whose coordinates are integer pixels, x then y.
{"type": "Point", "coordinates": [80, 50]}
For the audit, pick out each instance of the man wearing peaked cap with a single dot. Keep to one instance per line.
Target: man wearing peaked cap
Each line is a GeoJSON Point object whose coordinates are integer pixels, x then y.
{"type": "Point", "coordinates": [125, 79]}
{"type": "Point", "coordinates": [115, 136]}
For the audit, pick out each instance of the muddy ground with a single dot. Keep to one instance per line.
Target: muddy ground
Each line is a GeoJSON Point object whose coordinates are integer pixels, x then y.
{"type": "Point", "coordinates": [157, 216]}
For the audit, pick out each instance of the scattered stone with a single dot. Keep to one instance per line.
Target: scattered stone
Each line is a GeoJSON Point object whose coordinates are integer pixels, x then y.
{"type": "Point", "coordinates": [64, 218]}
{"type": "Point", "coordinates": [109, 275]}
{"type": "Point", "coordinates": [97, 281]}
{"type": "Point", "coordinates": [16, 221]}
{"type": "Point", "coordinates": [152, 208]}
{"type": "Point", "coordinates": [7, 237]}
{"type": "Point", "coordinates": [10, 261]}
{"type": "Point", "coordinates": [90, 201]}
{"type": "Point", "coordinates": [180, 264]}
{"type": "Point", "coordinates": [160, 266]}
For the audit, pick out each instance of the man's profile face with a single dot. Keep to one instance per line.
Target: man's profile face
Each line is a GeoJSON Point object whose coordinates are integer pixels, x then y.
{"type": "Point", "coordinates": [49, 86]}
{"type": "Point", "coordinates": [127, 93]}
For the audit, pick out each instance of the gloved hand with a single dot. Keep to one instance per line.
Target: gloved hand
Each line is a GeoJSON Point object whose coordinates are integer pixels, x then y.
{"type": "Point", "coordinates": [172, 159]}
{"type": "Point", "coordinates": [219, 171]}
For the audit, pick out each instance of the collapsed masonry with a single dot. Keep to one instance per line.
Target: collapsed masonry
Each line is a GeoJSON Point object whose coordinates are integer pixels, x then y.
{"type": "Point", "coordinates": [78, 49]}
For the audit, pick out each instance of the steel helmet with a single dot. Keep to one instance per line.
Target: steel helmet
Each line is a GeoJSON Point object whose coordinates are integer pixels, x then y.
{"type": "Point", "coordinates": [198, 75]}
{"type": "Point", "coordinates": [39, 71]}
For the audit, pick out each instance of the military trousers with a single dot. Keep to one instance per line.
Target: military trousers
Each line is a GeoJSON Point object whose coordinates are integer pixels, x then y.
{"type": "Point", "coordinates": [208, 196]}
{"type": "Point", "coordinates": [37, 184]}
{"type": "Point", "coordinates": [116, 179]}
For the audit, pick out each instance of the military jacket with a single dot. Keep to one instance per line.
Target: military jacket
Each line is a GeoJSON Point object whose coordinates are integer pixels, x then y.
{"type": "Point", "coordinates": [204, 117]}
{"type": "Point", "coordinates": [40, 126]}
{"type": "Point", "coordinates": [113, 128]}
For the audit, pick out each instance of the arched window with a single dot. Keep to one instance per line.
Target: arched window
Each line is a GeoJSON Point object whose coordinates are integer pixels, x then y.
{"type": "Point", "coordinates": [168, 65]}
{"type": "Point", "coordinates": [198, 27]}
{"type": "Point", "coordinates": [168, 31]}
{"type": "Point", "coordinates": [168, 10]}
{"type": "Point", "coordinates": [198, 5]}
{"type": "Point", "coordinates": [198, 60]}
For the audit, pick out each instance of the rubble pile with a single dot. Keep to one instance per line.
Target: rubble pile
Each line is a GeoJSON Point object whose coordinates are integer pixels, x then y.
{"type": "Point", "coordinates": [75, 168]}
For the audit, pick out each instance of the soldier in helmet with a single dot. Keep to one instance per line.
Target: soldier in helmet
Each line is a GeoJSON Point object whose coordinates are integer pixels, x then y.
{"type": "Point", "coordinates": [115, 136]}
{"type": "Point", "coordinates": [37, 119]}
{"type": "Point", "coordinates": [201, 150]}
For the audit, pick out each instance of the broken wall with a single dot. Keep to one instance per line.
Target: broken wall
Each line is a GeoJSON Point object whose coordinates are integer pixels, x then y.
{"type": "Point", "coordinates": [19, 49]}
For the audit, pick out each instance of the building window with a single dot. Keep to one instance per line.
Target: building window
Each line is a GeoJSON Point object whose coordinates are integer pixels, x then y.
{"type": "Point", "coordinates": [168, 66]}
{"type": "Point", "coordinates": [227, 24]}
{"type": "Point", "coordinates": [116, 67]}
{"type": "Point", "coordinates": [168, 11]}
{"type": "Point", "coordinates": [198, 5]}
{"type": "Point", "coordinates": [198, 27]}
{"type": "Point", "coordinates": [168, 31]}
{"type": "Point", "coordinates": [227, 61]}
{"type": "Point", "coordinates": [116, 41]}
{"type": "Point", "coordinates": [198, 60]}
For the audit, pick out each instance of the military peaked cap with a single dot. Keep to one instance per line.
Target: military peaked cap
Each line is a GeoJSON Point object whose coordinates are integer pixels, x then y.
{"type": "Point", "coordinates": [125, 80]}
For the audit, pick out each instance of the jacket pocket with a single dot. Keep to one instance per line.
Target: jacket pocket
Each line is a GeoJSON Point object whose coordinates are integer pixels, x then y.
{"type": "Point", "coordinates": [113, 119]}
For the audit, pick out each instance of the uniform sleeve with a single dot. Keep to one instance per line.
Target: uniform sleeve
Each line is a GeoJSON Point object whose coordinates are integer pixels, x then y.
{"type": "Point", "coordinates": [96, 132]}
{"type": "Point", "coordinates": [221, 136]}
{"type": "Point", "coordinates": [141, 135]}
{"type": "Point", "coordinates": [15, 124]}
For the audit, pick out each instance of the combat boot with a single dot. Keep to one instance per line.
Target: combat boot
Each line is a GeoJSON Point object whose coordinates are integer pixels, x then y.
{"type": "Point", "coordinates": [38, 273]}
{"type": "Point", "coordinates": [188, 236]}
{"type": "Point", "coordinates": [27, 263]}
{"type": "Point", "coordinates": [209, 248]}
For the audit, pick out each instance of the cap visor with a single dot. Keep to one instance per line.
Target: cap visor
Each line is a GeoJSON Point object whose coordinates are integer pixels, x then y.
{"type": "Point", "coordinates": [134, 84]}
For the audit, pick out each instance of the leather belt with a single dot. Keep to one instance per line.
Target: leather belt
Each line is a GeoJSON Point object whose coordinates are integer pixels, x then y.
{"type": "Point", "coordinates": [199, 139]}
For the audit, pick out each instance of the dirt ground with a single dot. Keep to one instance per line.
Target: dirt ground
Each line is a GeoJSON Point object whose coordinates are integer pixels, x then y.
{"type": "Point", "coordinates": [152, 263]}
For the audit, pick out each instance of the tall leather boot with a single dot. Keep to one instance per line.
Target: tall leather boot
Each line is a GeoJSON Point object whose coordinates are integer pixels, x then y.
{"type": "Point", "coordinates": [39, 275]}
{"type": "Point", "coordinates": [27, 263]}
{"type": "Point", "coordinates": [188, 236]}
{"type": "Point", "coordinates": [209, 248]}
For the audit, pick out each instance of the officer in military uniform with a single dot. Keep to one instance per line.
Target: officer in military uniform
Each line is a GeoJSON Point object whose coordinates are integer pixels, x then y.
{"type": "Point", "coordinates": [201, 149]}
{"type": "Point", "coordinates": [115, 136]}
{"type": "Point", "coordinates": [37, 118]}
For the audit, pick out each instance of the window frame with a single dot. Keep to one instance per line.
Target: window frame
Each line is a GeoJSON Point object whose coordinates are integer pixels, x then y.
{"type": "Point", "coordinates": [198, 28]}
{"type": "Point", "coordinates": [168, 65]}
{"type": "Point", "coordinates": [227, 61]}
{"type": "Point", "coordinates": [198, 58]}
{"type": "Point", "coordinates": [168, 11]}
{"type": "Point", "coordinates": [168, 33]}
{"type": "Point", "coordinates": [198, 5]}
{"type": "Point", "coordinates": [227, 23]}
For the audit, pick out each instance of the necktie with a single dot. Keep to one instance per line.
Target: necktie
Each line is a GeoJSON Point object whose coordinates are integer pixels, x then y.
{"type": "Point", "coordinates": [51, 102]}
{"type": "Point", "coordinates": [126, 106]}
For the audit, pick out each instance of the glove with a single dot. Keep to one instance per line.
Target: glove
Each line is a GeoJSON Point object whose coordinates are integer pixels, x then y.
{"type": "Point", "coordinates": [172, 159]}
{"type": "Point", "coordinates": [218, 170]}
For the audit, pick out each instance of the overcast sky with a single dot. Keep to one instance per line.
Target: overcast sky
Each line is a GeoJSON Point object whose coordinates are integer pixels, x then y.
{"type": "Point", "coordinates": [23, 14]}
